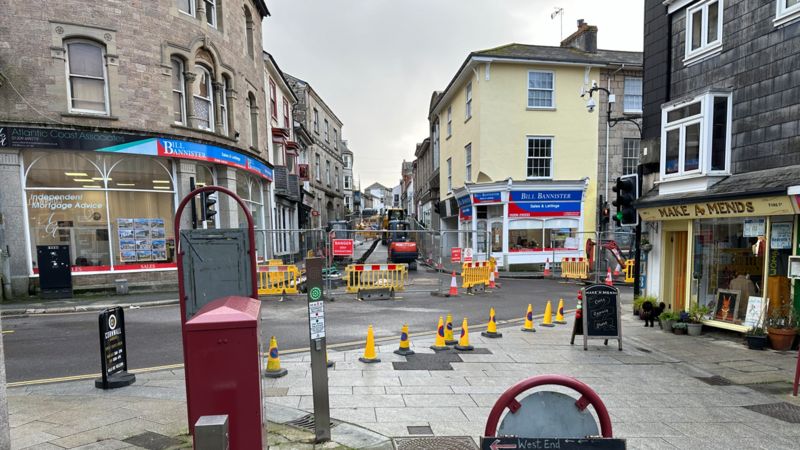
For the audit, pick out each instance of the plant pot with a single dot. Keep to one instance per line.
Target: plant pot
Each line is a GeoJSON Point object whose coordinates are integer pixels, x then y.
{"type": "Point", "coordinates": [677, 331]}
{"type": "Point", "coordinates": [636, 312]}
{"type": "Point", "coordinates": [781, 340]}
{"type": "Point", "coordinates": [694, 329]}
{"type": "Point", "coordinates": [646, 247]}
{"type": "Point", "coordinates": [755, 342]}
{"type": "Point", "coordinates": [666, 325]}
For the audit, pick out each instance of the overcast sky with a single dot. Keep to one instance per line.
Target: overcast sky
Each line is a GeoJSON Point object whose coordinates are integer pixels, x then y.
{"type": "Point", "coordinates": [377, 62]}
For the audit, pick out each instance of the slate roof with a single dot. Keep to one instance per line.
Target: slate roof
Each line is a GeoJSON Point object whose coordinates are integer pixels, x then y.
{"type": "Point", "coordinates": [562, 54]}
{"type": "Point", "coordinates": [761, 183]}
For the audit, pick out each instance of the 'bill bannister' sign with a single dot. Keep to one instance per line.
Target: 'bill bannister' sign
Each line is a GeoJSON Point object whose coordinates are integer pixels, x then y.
{"type": "Point", "coordinates": [541, 196]}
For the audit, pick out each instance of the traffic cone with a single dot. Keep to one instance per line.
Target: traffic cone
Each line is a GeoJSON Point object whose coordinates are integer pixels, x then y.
{"type": "Point", "coordinates": [616, 270]}
{"type": "Point", "coordinates": [439, 345]}
{"type": "Point", "coordinates": [560, 313]}
{"type": "Point", "coordinates": [496, 277]}
{"type": "Point", "coordinates": [547, 268]}
{"type": "Point", "coordinates": [274, 361]}
{"type": "Point", "coordinates": [330, 363]}
{"type": "Point", "coordinates": [448, 332]}
{"type": "Point", "coordinates": [454, 286]}
{"type": "Point", "coordinates": [609, 280]}
{"type": "Point", "coordinates": [529, 321]}
{"type": "Point", "coordinates": [463, 343]}
{"type": "Point", "coordinates": [404, 349]}
{"type": "Point", "coordinates": [491, 280]}
{"type": "Point", "coordinates": [548, 316]}
{"type": "Point", "coordinates": [491, 330]}
{"type": "Point", "coordinates": [369, 352]}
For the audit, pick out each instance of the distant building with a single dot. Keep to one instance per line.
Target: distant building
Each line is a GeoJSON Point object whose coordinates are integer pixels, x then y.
{"type": "Point", "coordinates": [347, 177]}
{"type": "Point", "coordinates": [382, 196]}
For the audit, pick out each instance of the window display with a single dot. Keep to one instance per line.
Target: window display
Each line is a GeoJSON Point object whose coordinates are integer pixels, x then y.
{"type": "Point", "coordinates": [525, 235]}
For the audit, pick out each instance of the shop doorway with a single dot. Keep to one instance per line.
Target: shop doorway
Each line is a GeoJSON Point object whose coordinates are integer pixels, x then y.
{"type": "Point", "coordinates": [675, 259]}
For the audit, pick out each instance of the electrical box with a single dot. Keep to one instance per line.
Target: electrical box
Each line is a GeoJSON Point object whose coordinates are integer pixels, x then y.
{"type": "Point", "coordinates": [211, 433]}
{"type": "Point", "coordinates": [216, 264]}
{"type": "Point", "coordinates": [55, 271]}
{"type": "Point", "coordinates": [224, 371]}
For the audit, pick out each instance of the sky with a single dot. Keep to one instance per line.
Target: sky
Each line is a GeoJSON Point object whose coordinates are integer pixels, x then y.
{"type": "Point", "coordinates": [376, 63]}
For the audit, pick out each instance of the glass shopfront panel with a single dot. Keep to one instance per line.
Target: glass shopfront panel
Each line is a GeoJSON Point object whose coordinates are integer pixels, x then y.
{"type": "Point", "coordinates": [560, 234]}
{"type": "Point", "coordinates": [525, 235]}
{"type": "Point", "coordinates": [728, 265]}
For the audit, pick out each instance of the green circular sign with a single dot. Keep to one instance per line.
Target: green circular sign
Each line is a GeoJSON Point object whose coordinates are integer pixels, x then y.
{"type": "Point", "coordinates": [315, 293]}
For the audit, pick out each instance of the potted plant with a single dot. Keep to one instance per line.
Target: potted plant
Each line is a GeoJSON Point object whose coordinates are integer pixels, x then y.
{"type": "Point", "coordinates": [756, 336]}
{"type": "Point", "coordinates": [697, 313]}
{"type": "Point", "coordinates": [667, 320]}
{"type": "Point", "coordinates": [645, 245]}
{"type": "Point", "coordinates": [639, 300]}
{"type": "Point", "coordinates": [782, 326]}
{"type": "Point", "coordinates": [679, 327]}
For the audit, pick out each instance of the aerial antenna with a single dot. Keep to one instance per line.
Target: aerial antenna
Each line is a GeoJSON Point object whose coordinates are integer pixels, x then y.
{"type": "Point", "coordinates": [559, 12]}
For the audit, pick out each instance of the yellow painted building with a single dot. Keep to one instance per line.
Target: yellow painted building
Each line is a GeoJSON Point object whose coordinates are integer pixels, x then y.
{"type": "Point", "coordinates": [518, 149]}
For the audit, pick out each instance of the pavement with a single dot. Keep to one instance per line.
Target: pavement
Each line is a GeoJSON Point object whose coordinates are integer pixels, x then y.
{"type": "Point", "coordinates": [662, 392]}
{"type": "Point", "coordinates": [35, 305]}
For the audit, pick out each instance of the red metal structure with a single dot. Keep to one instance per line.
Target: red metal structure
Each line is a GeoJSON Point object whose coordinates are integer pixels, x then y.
{"type": "Point", "coordinates": [607, 244]}
{"type": "Point", "coordinates": [508, 400]}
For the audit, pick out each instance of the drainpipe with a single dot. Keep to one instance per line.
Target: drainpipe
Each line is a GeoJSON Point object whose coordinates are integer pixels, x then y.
{"type": "Point", "coordinates": [5, 257]}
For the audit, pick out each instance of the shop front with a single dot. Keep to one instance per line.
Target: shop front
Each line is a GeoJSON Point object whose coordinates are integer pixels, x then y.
{"type": "Point", "coordinates": [731, 256]}
{"type": "Point", "coordinates": [112, 198]}
{"type": "Point", "coordinates": [525, 223]}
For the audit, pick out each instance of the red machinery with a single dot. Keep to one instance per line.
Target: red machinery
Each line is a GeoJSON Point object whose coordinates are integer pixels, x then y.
{"type": "Point", "coordinates": [402, 247]}
{"type": "Point", "coordinates": [607, 244]}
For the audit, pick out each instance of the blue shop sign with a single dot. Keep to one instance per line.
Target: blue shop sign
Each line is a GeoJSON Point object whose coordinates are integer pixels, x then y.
{"type": "Point", "coordinates": [464, 201]}
{"type": "Point", "coordinates": [486, 197]}
{"type": "Point", "coordinates": [546, 196]}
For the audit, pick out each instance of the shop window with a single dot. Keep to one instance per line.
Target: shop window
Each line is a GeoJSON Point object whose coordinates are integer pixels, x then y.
{"type": "Point", "coordinates": [178, 92]}
{"type": "Point", "coordinates": [86, 72]}
{"type": "Point", "coordinates": [141, 227]}
{"type": "Point", "coordinates": [497, 237]}
{"type": "Point", "coordinates": [249, 189]}
{"type": "Point", "coordinates": [560, 234]}
{"type": "Point", "coordinates": [466, 238]}
{"type": "Point", "coordinates": [139, 173]}
{"type": "Point", "coordinates": [525, 235]}
{"type": "Point", "coordinates": [203, 98]}
{"type": "Point", "coordinates": [64, 170]}
{"type": "Point", "coordinates": [481, 237]}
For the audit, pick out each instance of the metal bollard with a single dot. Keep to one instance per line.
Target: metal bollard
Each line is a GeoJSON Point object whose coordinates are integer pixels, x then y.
{"type": "Point", "coordinates": [211, 433]}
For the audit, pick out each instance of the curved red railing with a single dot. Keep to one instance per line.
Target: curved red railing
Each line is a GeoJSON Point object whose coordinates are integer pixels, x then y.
{"type": "Point", "coordinates": [588, 397]}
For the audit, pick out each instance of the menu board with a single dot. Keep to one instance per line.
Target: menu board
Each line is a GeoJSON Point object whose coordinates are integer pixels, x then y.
{"type": "Point", "coordinates": [142, 240]}
{"type": "Point", "coordinates": [601, 314]}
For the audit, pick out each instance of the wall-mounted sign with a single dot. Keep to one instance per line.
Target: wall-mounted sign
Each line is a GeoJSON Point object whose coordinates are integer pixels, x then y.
{"type": "Point", "coordinates": [302, 170]}
{"type": "Point", "coordinates": [486, 197]}
{"type": "Point", "coordinates": [542, 196]}
{"type": "Point", "coordinates": [765, 206]}
{"type": "Point", "coordinates": [127, 143]}
{"type": "Point", "coordinates": [540, 209]}
{"type": "Point", "coordinates": [308, 200]}
{"type": "Point", "coordinates": [315, 213]}
{"type": "Point", "coordinates": [754, 228]}
{"type": "Point", "coordinates": [780, 236]}
{"type": "Point", "coordinates": [465, 213]}
{"type": "Point", "coordinates": [464, 201]}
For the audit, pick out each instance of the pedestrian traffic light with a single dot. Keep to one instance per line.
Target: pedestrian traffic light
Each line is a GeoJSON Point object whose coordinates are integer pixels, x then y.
{"type": "Point", "coordinates": [206, 201]}
{"type": "Point", "coordinates": [627, 190]}
{"type": "Point", "coordinates": [436, 207]}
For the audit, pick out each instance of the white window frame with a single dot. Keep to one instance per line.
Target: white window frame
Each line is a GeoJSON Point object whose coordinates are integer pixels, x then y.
{"type": "Point", "coordinates": [328, 172]}
{"type": "Point", "coordinates": [449, 121]}
{"type": "Point", "coordinates": [182, 91]}
{"type": "Point", "coordinates": [468, 101]}
{"type": "Point", "coordinates": [326, 130]}
{"type": "Point", "coordinates": [224, 105]}
{"type": "Point", "coordinates": [335, 139]}
{"type": "Point", "coordinates": [210, 99]}
{"type": "Point", "coordinates": [336, 177]}
{"type": "Point", "coordinates": [318, 164]}
{"type": "Point", "coordinates": [348, 184]}
{"type": "Point", "coordinates": [449, 175]}
{"type": "Point", "coordinates": [529, 89]}
{"type": "Point", "coordinates": [346, 159]}
{"type": "Point", "coordinates": [705, 119]}
{"type": "Point", "coordinates": [551, 158]}
{"type": "Point", "coordinates": [468, 165]}
{"type": "Point", "coordinates": [316, 121]}
{"type": "Point", "coordinates": [626, 95]}
{"type": "Point", "coordinates": [213, 5]}
{"type": "Point", "coordinates": [706, 48]}
{"type": "Point", "coordinates": [191, 8]}
{"type": "Point", "coordinates": [69, 75]}
{"type": "Point", "coordinates": [632, 161]}
{"type": "Point", "coordinates": [784, 14]}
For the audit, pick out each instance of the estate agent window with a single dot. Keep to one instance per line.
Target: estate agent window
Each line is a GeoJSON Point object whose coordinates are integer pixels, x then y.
{"type": "Point", "coordinates": [86, 73]}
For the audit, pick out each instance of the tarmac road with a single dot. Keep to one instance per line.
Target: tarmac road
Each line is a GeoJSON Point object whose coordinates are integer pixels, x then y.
{"type": "Point", "coordinates": [49, 346]}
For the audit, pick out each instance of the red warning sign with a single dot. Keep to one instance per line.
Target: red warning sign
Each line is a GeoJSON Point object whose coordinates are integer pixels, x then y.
{"type": "Point", "coordinates": [342, 247]}
{"type": "Point", "coordinates": [455, 255]}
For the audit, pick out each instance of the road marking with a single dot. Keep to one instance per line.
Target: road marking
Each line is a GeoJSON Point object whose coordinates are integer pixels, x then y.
{"type": "Point", "coordinates": [283, 352]}
{"type": "Point", "coordinates": [4, 332]}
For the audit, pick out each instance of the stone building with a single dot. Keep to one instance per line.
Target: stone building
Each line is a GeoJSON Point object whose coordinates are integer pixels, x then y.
{"type": "Point", "coordinates": [325, 155]}
{"type": "Point", "coordinates": [105, 117]}
{"type": "Point", "coordinates": [347, 177]}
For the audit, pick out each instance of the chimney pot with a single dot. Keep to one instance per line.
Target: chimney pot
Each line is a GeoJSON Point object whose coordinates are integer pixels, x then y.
{"type": "Point", "coordinates": [580, 23]}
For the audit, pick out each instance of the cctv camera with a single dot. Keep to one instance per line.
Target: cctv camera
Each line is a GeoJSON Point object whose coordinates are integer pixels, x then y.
{"type": "Point", "coordinates": [590, 105]}
{"type": "Point", "coordinates": [594, 83]}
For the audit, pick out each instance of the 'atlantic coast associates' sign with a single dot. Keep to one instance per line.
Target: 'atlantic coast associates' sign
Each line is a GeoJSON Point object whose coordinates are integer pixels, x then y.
{"type": "Point", "coordinates": [766, 206]}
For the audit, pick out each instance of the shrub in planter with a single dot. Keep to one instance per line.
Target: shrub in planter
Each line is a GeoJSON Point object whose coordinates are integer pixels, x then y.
{"type": "Point", "coordinates": [679, 328]}
{"type": "Point", "coordinates": [755, 337]}
{"type": "Point", "coordinates": [697, 313]}
{"type": "Point", "coordinates": [782, 326]}
{"type": "Point", "coordinates": [639, 300]}
{"type": "Point", "coordinates": [667, 320]}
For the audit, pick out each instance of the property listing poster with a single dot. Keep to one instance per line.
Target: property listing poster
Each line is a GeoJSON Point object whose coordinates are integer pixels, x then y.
{"type": "Point", "coordinates": [142, 240]}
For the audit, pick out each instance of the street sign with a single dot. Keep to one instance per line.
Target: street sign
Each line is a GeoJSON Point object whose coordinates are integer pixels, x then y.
{"type": "Point", "coordinates": [342, 247]}
{"type": "Point", "coordinates": [315, 213]}
{"type": "Point", "coordinates": [601, 314]}
{"type": "Point", "coordinates": [316, 319]}
{"type": "Point", "coordinates": [455, 255]}
{"type": "Point", "coordinates": [468, 254]}
{"type": "Point", "coordinates": [514, 443]}
{"type": "Point", "coordinates": [319, 351]}
{"type": "Point", "coordinates": [113, 354]}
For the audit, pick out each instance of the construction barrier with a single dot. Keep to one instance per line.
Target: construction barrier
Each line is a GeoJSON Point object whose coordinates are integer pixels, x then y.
{"type": "Point", "coordinates": [629, 270]}
{"type": "Point", "coordinates": [277, 279]}
{"type": "Point", "coordinates": [577, 268]}
{"type": "Point", "coordinates": [473, 273]}
{"type": "Point", "coordinates": [376, 276]}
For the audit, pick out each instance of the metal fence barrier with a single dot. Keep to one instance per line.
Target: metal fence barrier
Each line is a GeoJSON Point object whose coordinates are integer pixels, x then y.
{"type": "Point", "coordinates": [376, 276]}
{"type": "Point", "coordinates": [473, 273]}
{"type": "Point", "coordinates": [277, 280]}
{"type": "Point", "coordinates": [574, 268]}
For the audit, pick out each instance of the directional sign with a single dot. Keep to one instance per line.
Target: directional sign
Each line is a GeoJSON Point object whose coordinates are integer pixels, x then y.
{"type": "Point", "coordinates": [514, 443]}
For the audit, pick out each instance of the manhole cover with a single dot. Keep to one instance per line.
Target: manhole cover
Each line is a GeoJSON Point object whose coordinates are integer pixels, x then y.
{"type": "Point", "coordinates": [716, 380]}
{"type": "Point", "coordinates": [781, 411]}
{"type": "Point", "coordinates": [419, 430]}
{"type": "Point", "coordinates": [306, 423]}
{"type": "Point", "coordinates": [435, 443]}
{"type": "Point", "coordinates": [152, 441]}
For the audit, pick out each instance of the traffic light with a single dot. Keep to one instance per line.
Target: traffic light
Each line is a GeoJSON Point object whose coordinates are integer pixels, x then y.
{"type": "Point", "coordinates": [206, 201]}
{"type": "Point", "coordinates": [627, 190]}
{"type": "Point", "coordinates": [605, 212]}
{"type": "Point", "coordinates": [436, 207]}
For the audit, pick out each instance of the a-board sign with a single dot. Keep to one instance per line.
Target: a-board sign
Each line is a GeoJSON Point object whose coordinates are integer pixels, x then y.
{"type": "Point", "coordinates": [113, 354]}
{"type": "Point", "coordinates": [514, 443]}
{"type": "Point", "coordinates": [455, 255]}
{"type": "Point", "coordinates": [342, 247]}
{"type": "Point", "coordinates": [601, 314]}
{"type": "Point", "coordinates": [468, 254]}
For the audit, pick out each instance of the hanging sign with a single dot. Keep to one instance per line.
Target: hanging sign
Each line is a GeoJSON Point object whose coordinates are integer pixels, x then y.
{"type": "Point", "coordinates": [780, 236]}
{"type": "Point", "coordinates": [465, 213]}
{"type": "Point", "coordinates": [464, 201]}
{"type": "Point", "coordinates": [303, 171]}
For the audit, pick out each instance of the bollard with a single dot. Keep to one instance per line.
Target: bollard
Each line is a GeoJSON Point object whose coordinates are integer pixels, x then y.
{"type": "Point", "coordinates": [211, 433]}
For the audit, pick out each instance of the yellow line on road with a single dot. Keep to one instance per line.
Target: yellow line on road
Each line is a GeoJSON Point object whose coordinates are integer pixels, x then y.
{"type": "Point", "coordinates": [4, 332]}
{"type": "Point", "coordinates": [84, 377]}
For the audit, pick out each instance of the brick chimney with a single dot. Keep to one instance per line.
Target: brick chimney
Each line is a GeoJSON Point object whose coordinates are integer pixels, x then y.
{"type": "Point", "coordinates": [584, 40]}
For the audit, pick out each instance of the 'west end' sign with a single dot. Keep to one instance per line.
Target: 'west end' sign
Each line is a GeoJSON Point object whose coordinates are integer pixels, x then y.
{"type": "Point", "coordinates": [766, 206]}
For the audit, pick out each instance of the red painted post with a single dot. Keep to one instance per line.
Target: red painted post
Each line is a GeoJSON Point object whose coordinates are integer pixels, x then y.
{"type": "Point", "coordinates": [796, 374]}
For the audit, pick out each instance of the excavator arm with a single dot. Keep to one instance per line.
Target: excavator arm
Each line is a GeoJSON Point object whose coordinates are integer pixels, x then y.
{"type": "Point", "coordinates": [607, 244]}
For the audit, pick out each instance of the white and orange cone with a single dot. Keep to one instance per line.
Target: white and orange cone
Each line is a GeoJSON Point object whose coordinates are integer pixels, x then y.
{"type": "Point", "coordinates": [609, 280]}
{"type": "Point", "coordinates": [616, 270]}
{"type": "Point", "coordinates": [491, 280]}
{"type": "Point", "coordinates": [547, 268]}
{"type": "Point", "coordinates": [454, 285]}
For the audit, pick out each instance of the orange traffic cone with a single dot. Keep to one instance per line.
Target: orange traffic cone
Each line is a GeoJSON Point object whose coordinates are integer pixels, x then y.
{"type": "Point", "coordinates": [560, 313]}
{"type": "Point", "coordinates": [369, 351]}
{"type": "Point", "coordinates": [439, 344]}
{"type": "Point", "coordinates": [463, 343]}
{"type": "Point", "coordinates": [491, 330]}
{"type": "Point", "coordinates": [454, 285]}
{"type": "Point", "coordinates": [491, 280]}
{"type": "Point", "coordinates": [548, 316]}
{"type": "Point", "coordinates": [547, 268]}
{"type": "Point", "coordinates": [448, 331]}
{"type": "Point", "coordinates": [609, 280]}
{"type": "Point", "coordinates": [529, 321]}
{"type": "Point", "coordinates": [404, 347]}
{"type": "Point", "coordinates": [616, 270]}
{"type": "Point", "coordinates": [274, 361]}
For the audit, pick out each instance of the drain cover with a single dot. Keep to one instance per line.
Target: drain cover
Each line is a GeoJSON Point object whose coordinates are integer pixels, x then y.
{"type": "Point", "coordinates": [152, 441]}
{"type": "Point", "coordinates": [435, 443]}
{"type": "Point", "coordinates": [781, 411]}
{"type": "Point", "coordinates": [419, 430]}
{"type": "Point", "coordinates": [716, 380]}
{"type": "Point", "coordinates": [306, 423]}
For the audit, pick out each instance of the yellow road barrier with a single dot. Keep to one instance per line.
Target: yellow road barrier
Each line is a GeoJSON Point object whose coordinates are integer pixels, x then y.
{"type": "Point", "coordinates": [629, 270]}
{"type": "Point", "coordinates": [277, 279]}
{"type": "Point", "coordinates": [576, 268]}
{"type": "Point", "coordinates": [473, 273]}
{"type": "Point", "coordinates": [376, 276]}
{"type": "Point", "coordinates": [275, 262]}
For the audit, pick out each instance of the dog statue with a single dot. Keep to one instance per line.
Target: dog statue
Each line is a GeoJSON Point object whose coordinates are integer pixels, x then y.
{"type": "Point", "coordinates": [651, 312]}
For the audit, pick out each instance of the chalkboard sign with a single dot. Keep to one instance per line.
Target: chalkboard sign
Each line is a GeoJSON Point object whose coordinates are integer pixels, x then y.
{"type": "Point", "coordinates": [601, 314]}
{"type": "Point", "coordinates": [113, 354]}
{"type": "Point", "coordinates": [511, 443]}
